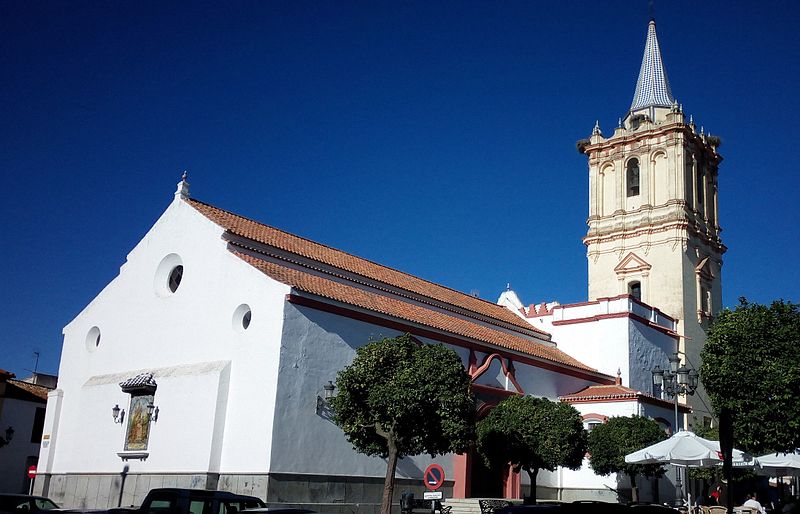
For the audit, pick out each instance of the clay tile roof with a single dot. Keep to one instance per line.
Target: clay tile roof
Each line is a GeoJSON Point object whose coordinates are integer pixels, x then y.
{"type": "Point", "coordinates": [38, 391]}
{"type": "Point", "coordinates": [600, 392]}
{"type": "Point", "coordinates": [415, 313]}
{"type": "Point", "coordinates": [140, 380]}
{"type": "Point", "coordinates": [285, 241]}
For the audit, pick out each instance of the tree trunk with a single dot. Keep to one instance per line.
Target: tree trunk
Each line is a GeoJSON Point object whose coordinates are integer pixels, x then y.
{"type": "Point", "coordinates": [388, 483]}
{"type": "Point", "coordinates": [634, 489]}
{"type": "Point", "coordinates": [532, 473]}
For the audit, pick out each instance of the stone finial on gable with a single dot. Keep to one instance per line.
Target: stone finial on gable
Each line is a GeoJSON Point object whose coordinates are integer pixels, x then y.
{"type": "Point", "coordinates": [618, 381]}
{"type": "Point", "coordinates": [183, 187]}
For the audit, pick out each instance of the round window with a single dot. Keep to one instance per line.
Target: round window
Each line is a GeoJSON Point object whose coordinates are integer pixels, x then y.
{"type": "Point", "coordinates": [175, 277]}
{"type": "Point", "coordinates": [242, 317]}
{"type": "Point", "coordinates": [169, 275]}
{"type": "Point", "coordinates": [93, 339]}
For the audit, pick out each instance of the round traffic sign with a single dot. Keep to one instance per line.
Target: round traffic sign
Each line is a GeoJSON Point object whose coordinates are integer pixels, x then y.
{"type": "Point", "coordinates": [32, 472]}
{"type": "Point", "coordinates": [433, 477]}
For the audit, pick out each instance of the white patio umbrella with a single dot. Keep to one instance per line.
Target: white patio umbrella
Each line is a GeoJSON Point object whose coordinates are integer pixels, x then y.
{"type": "Point", "coordinates": [779, 464]}
{"type": "Point", "coordinates": [688, 450]}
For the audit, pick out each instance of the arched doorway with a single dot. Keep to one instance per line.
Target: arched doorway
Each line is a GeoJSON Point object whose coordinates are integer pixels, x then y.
{"type": "Point", "coordinates": [473, 478]}
{"type": "Point", "coordinates": [486, 482]}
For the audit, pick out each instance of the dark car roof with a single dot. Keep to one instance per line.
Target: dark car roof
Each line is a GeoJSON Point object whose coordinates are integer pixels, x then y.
{"type": "Point", "coordinates": [14, 495]}
{"type": "Point", "coordinates": [222, 495]}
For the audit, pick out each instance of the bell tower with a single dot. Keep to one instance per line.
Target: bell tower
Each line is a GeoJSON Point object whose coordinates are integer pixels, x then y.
{"type": "Point", "coordinates": [653, 226]}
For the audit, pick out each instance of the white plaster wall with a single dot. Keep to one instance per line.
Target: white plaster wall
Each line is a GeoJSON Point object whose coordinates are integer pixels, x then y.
{"type": "Point", "coordinates": [602, 344]}
{"type": "Point", "coordinates": [219, 420]}
{"type": "Point", "coordinates": [18, 414]}
{"type": "Point", "coordinates": [316, 345]}
{"type": "Point", "coordinates": [585, 478]}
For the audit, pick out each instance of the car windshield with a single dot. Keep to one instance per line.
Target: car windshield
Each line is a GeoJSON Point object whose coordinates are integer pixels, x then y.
{"type": "Point", "coordinates": [45, 504]}
{"type": "Point", "coordinates": [20, 504]}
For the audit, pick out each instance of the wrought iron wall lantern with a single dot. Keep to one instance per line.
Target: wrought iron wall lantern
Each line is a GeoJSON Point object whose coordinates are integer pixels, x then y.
{"type": "Point", "coordinates": [119, 414]}
{"type": "Point", "coordinates": [324, 401]}
{"type": "Point", "coordinates": [152, 413]}
{"type": "Point", "coordinates": [9, 435]}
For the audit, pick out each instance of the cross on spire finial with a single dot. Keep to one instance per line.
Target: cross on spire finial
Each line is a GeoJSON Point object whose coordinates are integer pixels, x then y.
{"type": "Point", "coordinates": [183, 187]}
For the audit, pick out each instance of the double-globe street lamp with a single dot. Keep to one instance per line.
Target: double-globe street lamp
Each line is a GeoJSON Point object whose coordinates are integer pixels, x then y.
{"type": "Point", "coordinates": [675, 381]}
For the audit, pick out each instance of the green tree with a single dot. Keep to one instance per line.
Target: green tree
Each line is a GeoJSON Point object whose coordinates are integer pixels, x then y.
{"type": "Point", "coordinates": [532, 434]}
{"type": "Point", "coordinates": [611, 441]}
{"type": "Point", "coordinates": [400, 398]}
{"type": "Point", "coordinates": [751, 364]}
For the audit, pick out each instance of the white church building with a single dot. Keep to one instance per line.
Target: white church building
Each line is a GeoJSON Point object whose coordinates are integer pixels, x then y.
{"type": "Point", "coordinates": [204, 362]}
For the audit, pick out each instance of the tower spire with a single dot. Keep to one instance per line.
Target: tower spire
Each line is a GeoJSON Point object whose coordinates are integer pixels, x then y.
{"type": "Point", "coordinates": [652, 88]}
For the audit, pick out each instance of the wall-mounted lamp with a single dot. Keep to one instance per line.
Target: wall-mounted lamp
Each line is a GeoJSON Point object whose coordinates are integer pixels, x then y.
{"type": "Point", "coordinates": [119, 414]}
{"type": "Point", "coordinates": [152, 413]}
{"type": "Point", "coordinates": [323, 402]}
{"type": "Point", "coordinates": [9, 436]}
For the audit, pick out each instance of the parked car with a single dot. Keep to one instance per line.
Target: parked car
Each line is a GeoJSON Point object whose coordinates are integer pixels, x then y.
{"type": "Point", "coordinates": [279, 510]}
{"type": "Point", "coordinates": [192, 501]}
{"type": "Point", "coordinates": [25, 504]}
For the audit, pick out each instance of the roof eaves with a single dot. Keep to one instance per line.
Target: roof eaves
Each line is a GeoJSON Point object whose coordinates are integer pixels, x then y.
{"type": "Point", "coordinates": [498, 313]}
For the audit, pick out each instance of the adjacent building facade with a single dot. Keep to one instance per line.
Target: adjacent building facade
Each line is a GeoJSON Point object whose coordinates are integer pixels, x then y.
{"type": "Point", "coordinates": [22, 412]}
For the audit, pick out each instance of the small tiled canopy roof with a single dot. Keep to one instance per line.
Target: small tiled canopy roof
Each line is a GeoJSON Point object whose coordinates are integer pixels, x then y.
{"type": "Point", "coordinates": [140, 381]}
{"type": "Point", "coordinates": [616, 392]}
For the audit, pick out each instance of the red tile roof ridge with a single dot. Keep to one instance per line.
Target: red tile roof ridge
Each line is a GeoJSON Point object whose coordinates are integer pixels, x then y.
{"type": "Point", "coordinates": [499, 313]}
{"type": "Point", "coordinates": [326, 288]}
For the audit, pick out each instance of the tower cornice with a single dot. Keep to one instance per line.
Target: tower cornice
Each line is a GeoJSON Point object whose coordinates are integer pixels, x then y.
{"type": "Point", "coordinates": [642, 135]}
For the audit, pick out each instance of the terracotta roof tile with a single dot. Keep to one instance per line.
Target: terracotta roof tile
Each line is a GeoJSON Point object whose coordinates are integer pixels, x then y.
{"type": "Point", "coordinates": [285, 241]}
{"type": "Point", "coordinates": [36, 390]}
{"type": "Point", "coordinates": [326, 288]}
{"type": "Point", "coordinates": [603, 391]}
{"type": "Point", "coordinates": [140, 380]}
{"type": "Point", "coordinates": [600, 393]}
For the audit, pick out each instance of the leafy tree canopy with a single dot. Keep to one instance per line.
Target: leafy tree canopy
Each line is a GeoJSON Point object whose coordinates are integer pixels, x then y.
{"type": "Point", "coordinates": [399, 397]}
{"type": "Point", "coordinates": [751, 364]}
{"type": "Point", "coordinates": [532, 434]}
{"type": "Point", "coordinates": [417, 395]}
{"type": "Point", "coordinates": [610, 442]}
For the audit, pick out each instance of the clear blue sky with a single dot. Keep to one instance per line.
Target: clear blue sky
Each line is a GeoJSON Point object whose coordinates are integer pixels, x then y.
{"type": "Point", "coordinates": [433, 137]}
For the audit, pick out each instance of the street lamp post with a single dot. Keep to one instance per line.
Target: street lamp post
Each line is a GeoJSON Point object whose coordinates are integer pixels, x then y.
{"type": "Point", "coordinates": [675, 381]}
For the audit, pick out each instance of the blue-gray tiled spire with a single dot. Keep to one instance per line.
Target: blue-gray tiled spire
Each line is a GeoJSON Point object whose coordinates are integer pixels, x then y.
{"type": "Point", "coordinates": [652, 88]}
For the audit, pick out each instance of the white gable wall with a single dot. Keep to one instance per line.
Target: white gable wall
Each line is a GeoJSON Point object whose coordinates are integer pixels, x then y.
{"type": "Point", "coordinates": [216, 385]}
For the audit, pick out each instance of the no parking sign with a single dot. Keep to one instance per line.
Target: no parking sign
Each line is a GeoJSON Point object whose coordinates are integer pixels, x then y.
{"type": "Point", "coordinates": [433, 477]}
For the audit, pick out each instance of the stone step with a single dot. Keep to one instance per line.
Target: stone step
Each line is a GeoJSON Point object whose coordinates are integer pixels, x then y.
{"type": "Point", "coordinates": [468, 505]}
